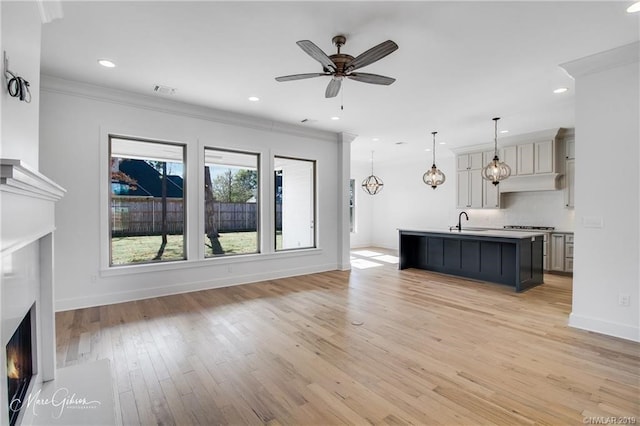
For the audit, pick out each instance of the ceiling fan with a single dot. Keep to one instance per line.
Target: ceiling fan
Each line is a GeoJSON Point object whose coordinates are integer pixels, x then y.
{"type": "Point", "coordinates": [341, 65]}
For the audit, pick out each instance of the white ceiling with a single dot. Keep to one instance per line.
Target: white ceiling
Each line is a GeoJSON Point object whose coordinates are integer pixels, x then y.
{"type": "Point", "coordinates": [459, 63]}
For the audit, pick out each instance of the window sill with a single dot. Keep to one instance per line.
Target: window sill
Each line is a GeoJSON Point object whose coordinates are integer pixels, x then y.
{"type": "Point", "coordinates": [204, 263]}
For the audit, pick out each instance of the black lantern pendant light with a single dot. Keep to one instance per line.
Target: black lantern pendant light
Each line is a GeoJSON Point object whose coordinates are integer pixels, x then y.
{"type": "Point", "coordinates": [434, 177]}
{"type": "Point", "coordinates": [496, 170]}
{"type": "Point", "coordinates": [372, 184]}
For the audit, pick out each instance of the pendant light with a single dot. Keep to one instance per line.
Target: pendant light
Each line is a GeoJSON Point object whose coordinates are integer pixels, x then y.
{"type": "Point", "coordinates": [372, 184]}
{"type": "Point", "coordinates": [434, 177]}
{"type": "Point", "coordinates": [496, 170]}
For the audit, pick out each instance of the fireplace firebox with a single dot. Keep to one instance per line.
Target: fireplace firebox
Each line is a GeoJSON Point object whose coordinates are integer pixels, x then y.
{"type": "Point", "coordinates": [19, 367]}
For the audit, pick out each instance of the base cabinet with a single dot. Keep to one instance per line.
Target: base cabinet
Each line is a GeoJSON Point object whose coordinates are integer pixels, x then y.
{"type": "Point", "coordinates": [516, 262]}
{"type": "Point", "coordinates": [561, 253]}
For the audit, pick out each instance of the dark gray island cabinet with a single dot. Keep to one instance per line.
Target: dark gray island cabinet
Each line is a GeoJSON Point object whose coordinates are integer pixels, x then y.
{"type": "Point", "coordinates": [511, 258]}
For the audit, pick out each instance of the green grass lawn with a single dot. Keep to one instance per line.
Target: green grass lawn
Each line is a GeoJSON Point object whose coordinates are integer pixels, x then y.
{"type": "Point", "coordinates": [127, 250]}
{"type": "Point", "coordinates": [235, 243]}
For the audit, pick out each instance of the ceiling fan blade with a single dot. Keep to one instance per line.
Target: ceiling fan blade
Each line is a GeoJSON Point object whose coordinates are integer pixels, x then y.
{"type": "Point", "coordinates": [300, 76]}
{"type": "Point", "coordinates": [370, 56]}
{"type": "Point", "coordinates": [316, 53]}
{"type": "Point", "coordinates": [333, 88]}
{"type": "Point", "coordinates": [371, 78]}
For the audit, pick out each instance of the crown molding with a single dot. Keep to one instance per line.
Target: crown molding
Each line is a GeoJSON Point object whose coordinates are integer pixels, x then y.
{"type": "Point", "coordinates": [104, 94]}
{"type": "Point", "coordinates": [613, 58]}
{"type": "Point", "coordinates": [541, 135]}
{"type": "Point", "coordinates": [50, 10]}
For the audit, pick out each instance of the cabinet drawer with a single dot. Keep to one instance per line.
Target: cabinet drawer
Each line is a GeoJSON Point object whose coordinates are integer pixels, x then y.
{"type": "Point", "coordinates": [569, 238]}
{"type": "Point", "coordinates": [568, 250]}
{"type": "Point", "coordinates": [568, 265]}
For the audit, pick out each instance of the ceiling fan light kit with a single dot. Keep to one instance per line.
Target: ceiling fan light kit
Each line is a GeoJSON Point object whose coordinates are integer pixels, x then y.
{"type": "Point", "coordinates": [434, 176]}
{"type": "Point", "coordinates": [341, 65]}
{"type": "Point", "coordinates": [496, 170]}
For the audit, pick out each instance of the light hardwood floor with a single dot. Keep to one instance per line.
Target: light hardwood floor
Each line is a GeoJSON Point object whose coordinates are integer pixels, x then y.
{"type": "Point", "coordinates": [431, 349]}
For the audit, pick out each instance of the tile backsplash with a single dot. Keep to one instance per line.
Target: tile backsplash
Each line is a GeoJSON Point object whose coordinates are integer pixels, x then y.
{"type": "Point", "coordinates": [535, 208]}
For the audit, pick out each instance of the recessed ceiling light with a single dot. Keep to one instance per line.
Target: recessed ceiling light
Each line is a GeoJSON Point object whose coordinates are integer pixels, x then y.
{"type": "Point", "coordinates": [106, 63]}
{"type": "Point", "coordinates": [428, 149]}
{"type": "Point", "coordinates": [375, 139]}
{"type": "Point", "coordinates": [634, 7]}
{"type": "Point", "coordinates": [254, 98]}
{"type": "Point", "coordinates": [335, 118]}
{"type": "Point", "coordinates": [504, 131]}
{"type": "Point", "coordinates": [560, 90]}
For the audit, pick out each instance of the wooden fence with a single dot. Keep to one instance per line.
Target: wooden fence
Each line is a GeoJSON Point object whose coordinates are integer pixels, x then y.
{"type": "Point", "coordinates": [132, 216]}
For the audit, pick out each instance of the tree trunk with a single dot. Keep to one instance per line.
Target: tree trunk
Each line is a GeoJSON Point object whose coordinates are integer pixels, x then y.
{"type": "Point", "coordinates": [209, 222]}
{"type": "Point", "coordinates": [164, 212]}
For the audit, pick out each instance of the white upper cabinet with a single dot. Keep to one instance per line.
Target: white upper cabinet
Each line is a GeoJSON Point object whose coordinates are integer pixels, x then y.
{"type": "Point", "coordinates": [472, 190]}
{"type": "Point", "coordinates": [469, 186]}
{"type": "Point", "coordinates": [462, 162]}
{"type": "Point", "coordinates": [543, 157]}
{"type": "Point", "coordinates": [570, 148]}
{"type": "Point", "coordinates": [490, 192]}
{"type": "Point", "coordinates": [471, 161]}
{"type": "Point", "coordinates": [537, 162]}
{"type": "Point", "coordinates": [510, 157]}
{"type": "Point", "coordinates": [525, 160]}
{"type": "Point", "coordinates": [570, 170]}
{"type": "Point", "coordinates": [569, 192]}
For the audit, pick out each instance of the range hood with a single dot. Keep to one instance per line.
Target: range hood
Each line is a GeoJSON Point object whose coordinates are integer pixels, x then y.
{"type": "Point", "coordinates": [535, 182]}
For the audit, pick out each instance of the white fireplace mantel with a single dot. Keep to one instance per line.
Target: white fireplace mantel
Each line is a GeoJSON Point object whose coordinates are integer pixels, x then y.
{"type": "Point", "coordinates": [27, 216]}
{"type": "Point", "coordinates": [27, 200]}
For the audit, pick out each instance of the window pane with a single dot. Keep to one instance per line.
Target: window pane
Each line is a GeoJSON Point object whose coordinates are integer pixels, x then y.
{"type": "Point", "coordinates": [231, 202]}
{"type": "Point", "coordinates": [147, 201]}
{"type": "Point", "coordinates": [295, 203]}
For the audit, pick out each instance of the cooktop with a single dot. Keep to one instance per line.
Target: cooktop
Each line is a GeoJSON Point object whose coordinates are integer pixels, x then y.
{"type": "Point", "coordinates": [537, 228]}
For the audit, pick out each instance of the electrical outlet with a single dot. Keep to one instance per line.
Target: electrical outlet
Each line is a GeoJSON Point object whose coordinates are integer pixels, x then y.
{"type": "Point", "coordinates": [623, 299]}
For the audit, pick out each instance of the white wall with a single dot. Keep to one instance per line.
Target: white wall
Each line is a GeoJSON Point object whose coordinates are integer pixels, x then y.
{"type": "Point", "coordinates": [407, 202]}
{"type": "Point", "coordinates": [21, 28]}
{"type": "Point", "coordinates": [363, 235]}
{"type": "Point", "coordinates": [607, 248]}
{"type": "Point", "coordinates": [20, 270]}
{"type": "Point", "coordinates": [75, 122]}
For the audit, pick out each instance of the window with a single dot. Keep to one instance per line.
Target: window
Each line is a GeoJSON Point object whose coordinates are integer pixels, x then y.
{"type": "Point", "coordinates": [147, 219]}
{"type": "Point", "coordinates": [231, 204]}
{"type": "Point", "coordinates": [295, 203]}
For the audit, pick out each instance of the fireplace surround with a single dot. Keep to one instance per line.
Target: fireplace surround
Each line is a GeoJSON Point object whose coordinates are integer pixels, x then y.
{"type": "Point", "coordinates": [19, 354]}
{"type": "Point", "coordinates": [27, 212]}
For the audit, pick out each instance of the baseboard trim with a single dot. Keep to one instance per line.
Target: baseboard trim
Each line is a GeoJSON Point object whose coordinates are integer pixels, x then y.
{"type": "Point", "coordinates": [609, 328]}
{"type": "Point", "coordinates": [149, 293]}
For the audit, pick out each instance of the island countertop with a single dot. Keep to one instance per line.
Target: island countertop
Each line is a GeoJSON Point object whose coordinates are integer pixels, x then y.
{"type": "Point", "coordinates": [478, 233]}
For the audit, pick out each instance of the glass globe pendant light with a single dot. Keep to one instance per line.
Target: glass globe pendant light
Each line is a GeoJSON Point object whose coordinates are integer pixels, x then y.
{"type": "Point", "coordinates": [496, 170]}
{"type": "Point", "coordinates": [434, 177]}
{"type": "Point", "coordinates": [372, 184]}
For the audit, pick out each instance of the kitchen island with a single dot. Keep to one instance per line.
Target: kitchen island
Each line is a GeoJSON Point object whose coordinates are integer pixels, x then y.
{"type": "Point", "coordinates": [505, 257]}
